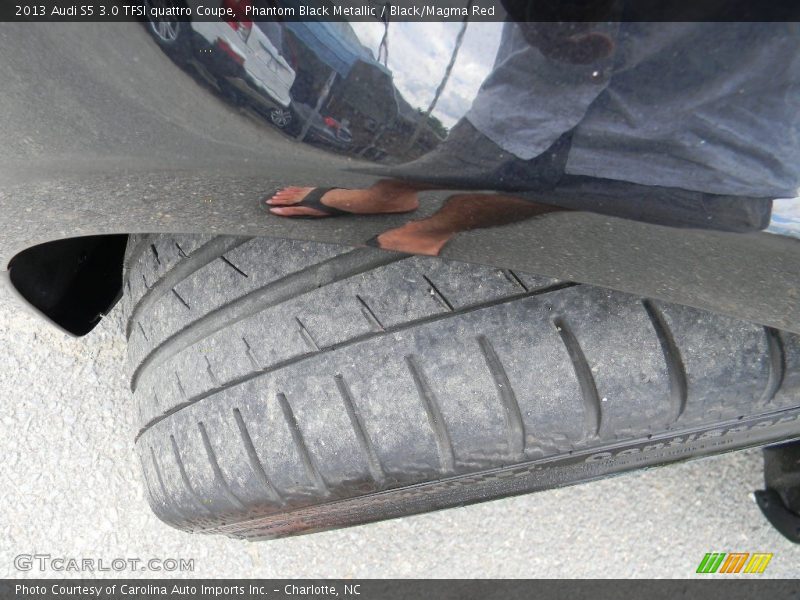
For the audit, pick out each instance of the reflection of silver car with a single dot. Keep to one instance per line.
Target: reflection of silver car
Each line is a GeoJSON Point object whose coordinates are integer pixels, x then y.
{"type": "Point", "coordinates": [239, 57]}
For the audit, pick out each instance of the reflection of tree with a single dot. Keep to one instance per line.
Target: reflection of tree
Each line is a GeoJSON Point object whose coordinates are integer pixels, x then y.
{"type": "Point", "coordinates": [425, 118]}
{"type": "Point", "coordinates": [434, 123]}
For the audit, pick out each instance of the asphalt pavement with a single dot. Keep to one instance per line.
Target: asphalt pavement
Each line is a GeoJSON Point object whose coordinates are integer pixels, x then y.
{"type": "Point", "coordinates": [71, 488]}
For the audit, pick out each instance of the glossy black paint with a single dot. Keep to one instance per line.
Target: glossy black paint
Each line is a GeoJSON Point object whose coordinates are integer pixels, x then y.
{"type": "Point", "coordinates": [108, 134]}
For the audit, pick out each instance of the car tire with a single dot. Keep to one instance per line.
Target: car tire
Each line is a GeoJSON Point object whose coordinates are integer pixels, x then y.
{"type": "Point", "coordinates": [172, 34]}
{"type": "Point", "coordinates": [284, 387]}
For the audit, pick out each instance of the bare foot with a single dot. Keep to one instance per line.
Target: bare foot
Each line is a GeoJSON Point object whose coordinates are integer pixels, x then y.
{"type": "Point", "coordinates": [461, 212]}
{"type": "Point", "coordinates": [382, 198]}
{"type": "Point", "coordinates": [414, 237]}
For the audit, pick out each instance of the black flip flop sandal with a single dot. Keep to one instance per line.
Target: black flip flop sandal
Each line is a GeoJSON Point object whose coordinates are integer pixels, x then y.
{"type": "Point", "coordinates": [374, 243]}
{"type": "Point", "coordinates": [314, 200]}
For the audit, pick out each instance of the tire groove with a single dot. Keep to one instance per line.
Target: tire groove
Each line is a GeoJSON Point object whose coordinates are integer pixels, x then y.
{"type": "Point", "coordinates": [250, 355]}
{"type": "Point", "coordinates": [312, 473]}
{"type": "Point", "coordinates": [180, 299]}
{"type": "Point", "coordinates": [514, 278]}
{"type": "Point", "coordinates": [168, 501]}
{"type": "Point", "coordinates": [210, 372]}
{"type": "Point", "coordinates": [306, 335]}
{"type": "Point", "coordinates": [777, 364]}
{"type": "Point", "coordinates": [185, 478]}
{"type": "Point", "coordinates": [676, 371]}
{"type": "Point", "coordinates": [438, 295]}
{"type": "Point", "coordinates": [355, 340]}
{"type": "Point", "coordinates": [233, 266]}
{"type": "Point", "coordinates": [593, 415]}
{"type": "Point", "coordinates": [319, 275]}
{"type": "Point", "coordinates": [204, 255]}
{"type": "Point", "coordinates": [369, 314]}
{"type": "Point", "coordinates": [180, 386]}
{"type": "Point", "coordinates": [149, 487]}
{"type": "Point", "coordinates": [218, 476]}
{"type": "Point", "coordinates": [362, 436]}
{"type": "Point", "coordinates": [512, 414]}
{"type": "Point", "coordinates": [255, 462]}
{"type": "Point", "coordinates": [135, 254]}
{"type": "Point", "coordinates": [444, 444]}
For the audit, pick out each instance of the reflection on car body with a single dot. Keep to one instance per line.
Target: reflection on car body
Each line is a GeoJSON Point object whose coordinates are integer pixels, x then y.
{"type": "Point", "coordinates": [325, 130]}
{"type": "Point", "coordinates": [299, 73]}
{"type": "Point", "coordinates": [338, 75]}
{"type": "Point", "coordinates": [238, 55]}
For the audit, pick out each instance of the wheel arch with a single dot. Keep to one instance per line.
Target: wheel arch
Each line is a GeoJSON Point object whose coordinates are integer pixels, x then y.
{"type": "Point", "coordinates": [72, 283]}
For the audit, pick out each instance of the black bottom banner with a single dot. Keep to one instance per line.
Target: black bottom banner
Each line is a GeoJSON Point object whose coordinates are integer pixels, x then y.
{"type": "Point", "coordinates": [367, 589]}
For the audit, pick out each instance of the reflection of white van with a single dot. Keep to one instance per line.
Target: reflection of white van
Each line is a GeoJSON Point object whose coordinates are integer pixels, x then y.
{"type": "Point", "coordinates": [238, 54]}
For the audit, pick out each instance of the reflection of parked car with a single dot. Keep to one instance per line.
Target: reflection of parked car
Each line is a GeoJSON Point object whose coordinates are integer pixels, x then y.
{"type": "Point", "coordinates": [241, 58]}
{"type": "Point", "coordinates": [322, 129]}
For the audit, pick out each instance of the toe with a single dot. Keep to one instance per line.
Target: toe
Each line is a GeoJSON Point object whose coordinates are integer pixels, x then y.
{"type": "Point", "coordinates": [289, 191]}
{"type": "Point", "coordinates": [288, 196]}
{"type": "Point", "coordinates": [297, 211]}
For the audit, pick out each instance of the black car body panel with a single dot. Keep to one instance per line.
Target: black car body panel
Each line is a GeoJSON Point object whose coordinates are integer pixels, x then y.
{"type": "Point", "coordinates": [108, 136]}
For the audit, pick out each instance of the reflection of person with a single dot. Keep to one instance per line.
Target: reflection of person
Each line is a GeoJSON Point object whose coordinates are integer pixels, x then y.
{"type": "Point", "coordinates": [681, 124]}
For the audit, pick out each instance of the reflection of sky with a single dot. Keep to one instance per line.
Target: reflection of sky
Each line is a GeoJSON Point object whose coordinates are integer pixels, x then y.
{"type": "Point", "coordinates": [418, 56]}
{"type": "Point", "coordinates": [785, 217]}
